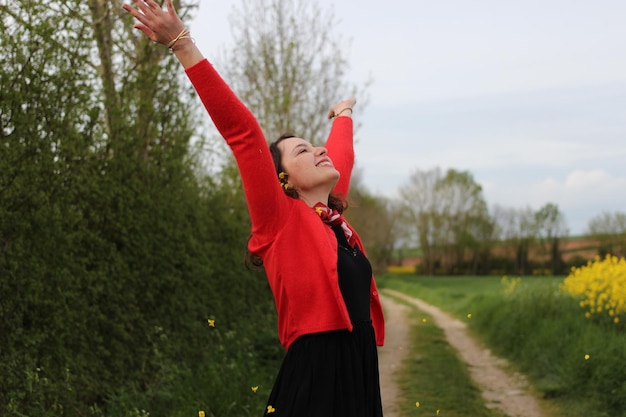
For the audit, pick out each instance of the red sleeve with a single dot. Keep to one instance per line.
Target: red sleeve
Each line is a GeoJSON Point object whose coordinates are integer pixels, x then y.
{"type": "Point", "coordinates": [266, 200]}
{"type": "Point", "coordinates": [341, 150]}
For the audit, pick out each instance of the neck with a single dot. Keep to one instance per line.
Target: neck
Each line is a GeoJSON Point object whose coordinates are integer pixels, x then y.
{"type": "Point", "coordinates": [312, 199]}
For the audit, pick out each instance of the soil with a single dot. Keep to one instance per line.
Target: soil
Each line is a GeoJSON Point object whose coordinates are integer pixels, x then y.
{"type": "Point", "coordinates": [501, 389]}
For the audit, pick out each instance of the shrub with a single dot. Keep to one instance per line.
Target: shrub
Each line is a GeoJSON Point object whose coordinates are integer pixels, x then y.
{"type": "Point", "coordinates": [601, 287]}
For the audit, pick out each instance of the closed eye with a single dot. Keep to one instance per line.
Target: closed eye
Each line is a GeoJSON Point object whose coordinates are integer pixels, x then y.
{"type": "Point", "coordinates": [303, 147]}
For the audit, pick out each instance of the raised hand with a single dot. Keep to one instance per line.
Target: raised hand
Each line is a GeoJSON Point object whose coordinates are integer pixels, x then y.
{"type": "Point", "coordinates": [160, 25]}
{"type": "Point", "coordinates": [342, 108]}
{"type": "Point", "coordinates": [165, 27]}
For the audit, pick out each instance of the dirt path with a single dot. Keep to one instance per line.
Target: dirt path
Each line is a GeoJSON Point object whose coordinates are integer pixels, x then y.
{"type": "Point", "coordinates": [501, 390]}
{"type": "Point", "coordinates": [391, 355]}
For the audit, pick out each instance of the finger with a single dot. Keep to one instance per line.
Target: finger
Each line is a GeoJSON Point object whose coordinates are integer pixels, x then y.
{"type": "Point", "coordinates": [170, 6]}
{"type": "Point", "coordinates": [133, 12]}
{"type": "Point", "coordinates": [136, 14]}
{"type": "Point", "coordinates": [146, 30]}
{"type": "Point", "coordinates": [145, 7]}
{"type": "Point", "coordinates": [152, 4]}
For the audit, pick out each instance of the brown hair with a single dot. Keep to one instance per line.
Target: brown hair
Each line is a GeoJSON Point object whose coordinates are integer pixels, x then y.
{"type": "Point", "coordinates": [334, 202]}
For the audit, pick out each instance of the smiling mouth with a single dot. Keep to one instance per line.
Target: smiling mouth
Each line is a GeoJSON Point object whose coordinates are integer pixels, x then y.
{"type": "Point", "coordinates": [324, 163]}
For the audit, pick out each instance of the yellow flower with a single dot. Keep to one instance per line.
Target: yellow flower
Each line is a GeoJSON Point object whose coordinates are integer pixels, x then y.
{"type": "Point", "coordinates": [211, 322]}
{"type": "Point", "coordinates": [417, 404]}
{"type": "Point", "coordinates": [270, 409]}
{"type": "Point", "coordinates": [437, 412]}
{"type": "Point", "coordinates": [424, 320]}
{"type": "Point", "coordinates": [200, 413]}
{"type": "Point", "coordinates": [255, 388]}
{"type": "Point", "coordinates": [469, 316]}
{"type": "Point", "coordinates": [601, 286]}
{"type": "Point", "coordinates": [587, 357]}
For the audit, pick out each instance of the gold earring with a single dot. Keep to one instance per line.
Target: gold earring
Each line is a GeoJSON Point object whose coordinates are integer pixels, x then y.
{"type": "Point", "coordinates": [283, 178]}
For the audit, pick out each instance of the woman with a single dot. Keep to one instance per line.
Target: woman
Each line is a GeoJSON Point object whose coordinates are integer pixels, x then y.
{"type": "Point", "coordinates": [329, 314]}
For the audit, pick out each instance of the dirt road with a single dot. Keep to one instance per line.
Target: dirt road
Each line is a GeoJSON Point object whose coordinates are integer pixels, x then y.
{"type": "Point", "coordinates": [501, 390]}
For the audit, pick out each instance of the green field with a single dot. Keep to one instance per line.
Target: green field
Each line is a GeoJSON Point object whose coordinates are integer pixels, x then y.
{"type": "Point", "coordinates": [577, 365]}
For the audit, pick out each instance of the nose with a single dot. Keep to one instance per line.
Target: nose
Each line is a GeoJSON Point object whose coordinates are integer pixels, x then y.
{"type": "Point", "coordinates": [321, 150]}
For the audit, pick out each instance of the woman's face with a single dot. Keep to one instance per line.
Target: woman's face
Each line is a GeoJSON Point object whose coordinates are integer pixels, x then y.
{"type": "Point", "coordinates": [308, 167]}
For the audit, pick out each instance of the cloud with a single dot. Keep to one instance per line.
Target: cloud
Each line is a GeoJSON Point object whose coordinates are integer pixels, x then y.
{"type": "Point", "coordinates": [580, 195]}
{"type": "Point", "coordinates": [582, 180]}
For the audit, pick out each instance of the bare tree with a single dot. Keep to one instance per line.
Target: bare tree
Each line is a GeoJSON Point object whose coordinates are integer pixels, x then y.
{"type": "Point", "coordinates": [551, 226]}
{"type": "Point", "coordinates": [419, 205]}
{"type": "Point", "coordinates": [610, 231]}
{"type": "Point", "coordinates": [289, 65]}
{"type": "Point", "coordinates": [517, 231]}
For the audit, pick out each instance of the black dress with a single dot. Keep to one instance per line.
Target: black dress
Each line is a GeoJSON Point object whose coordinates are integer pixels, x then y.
{"type": "Point", "coordinates": [334, 373]}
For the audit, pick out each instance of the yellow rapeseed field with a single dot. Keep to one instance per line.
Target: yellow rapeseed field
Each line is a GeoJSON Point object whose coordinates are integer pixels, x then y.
{"type": "Point", "coordinates": [601, 286]}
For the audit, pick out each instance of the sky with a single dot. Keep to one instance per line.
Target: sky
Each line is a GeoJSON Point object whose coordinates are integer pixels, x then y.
{"type": "Point", "coordinates": [528, 96]}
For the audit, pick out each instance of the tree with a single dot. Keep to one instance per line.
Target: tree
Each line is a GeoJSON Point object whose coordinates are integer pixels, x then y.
{"type": "Point", "coordinates": [289, 66]}
{"type": "Point", "coordinates": [551, 226]}
{"type": "Point", "coordinates": [376, 219]}
{"type": "Point", "coordinates": [465, 220]}
{"type": "Point", "coordinates": [419, 202]}
{"type": "Point", "coordinates": [609, 229]}
{"type": "Point", "coordinates": [517, 229]}
{"type": "Point", "coordinates": [113, 248]}
{"type": "Point", "coordinates": [449, 217]}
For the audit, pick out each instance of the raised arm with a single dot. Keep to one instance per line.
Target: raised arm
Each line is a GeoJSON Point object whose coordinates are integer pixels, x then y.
{"type": "Point", "coordinates": [166, 28]}
{"type": "Point", "coordinates": [340, 143]}
{"type": "Point", "coordinates": [232, 118]}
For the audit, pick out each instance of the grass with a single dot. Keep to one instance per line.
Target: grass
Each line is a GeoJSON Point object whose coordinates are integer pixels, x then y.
{"type": "Point", "coordinates": [433, 376]}
{"type": "Point", "coordinates": [541, 331]}
{"type": "Point", "coordinates": [456, 294]}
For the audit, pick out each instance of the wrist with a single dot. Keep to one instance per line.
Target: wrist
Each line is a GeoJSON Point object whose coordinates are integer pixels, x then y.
{"type": "Point", "coordinates": [346, 111]}
{"type": "Point", "coordinates": [182, 44]}
{"type": "Point", "coordinates": [184, 34]}
{"type": "Point", "coordinates": [187, 53]}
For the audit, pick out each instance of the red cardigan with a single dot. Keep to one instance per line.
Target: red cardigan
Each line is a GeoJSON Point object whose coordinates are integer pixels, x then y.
{"type": "Point", "coordinates": [299, 251]}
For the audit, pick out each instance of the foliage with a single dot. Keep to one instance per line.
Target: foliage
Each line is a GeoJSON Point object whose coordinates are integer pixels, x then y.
{"type": "Point", "coordinates": [610, 231]}
{"type": "Point", "coordinates": [601, 287]}
{"type": "Point", "coordinates": [531, 238]}
{"type": "Point", "coordinates": [448, 216]}
{"type": "Point", "coordinates": [375, 220]}
{"type": "Point", "coordinates": [551, 226]}
{"type": "Point", "coordinates": [578, 364]}
{"type": "Point", "coordinates": [114, 248]}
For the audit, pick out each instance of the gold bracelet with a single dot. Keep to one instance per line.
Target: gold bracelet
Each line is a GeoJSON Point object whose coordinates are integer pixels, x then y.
{"type": "Point", "coordinates": [342, 110]}
{"type": "Point", "coordinates": [184, 34]}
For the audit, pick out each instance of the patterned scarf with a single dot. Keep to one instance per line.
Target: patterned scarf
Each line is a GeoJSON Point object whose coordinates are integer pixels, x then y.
{"type": "Point", "coordinates": [334, 218]}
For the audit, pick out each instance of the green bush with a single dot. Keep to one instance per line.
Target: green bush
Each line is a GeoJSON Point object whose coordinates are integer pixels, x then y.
{"type": "Point", "coordinates": [109, 301]}
{"type": "Point", "coordinates": [577, 362]}
{"type": "Point", "coordinates": [542, 331]}
{"type": "Point", "coordinates": [115, 248]}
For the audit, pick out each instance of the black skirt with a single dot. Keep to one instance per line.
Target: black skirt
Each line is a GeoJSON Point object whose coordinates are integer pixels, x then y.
{"type": "Point", "coordinates": [329, 374]}
{"type": "Point", "coordinates": [334, 373]}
